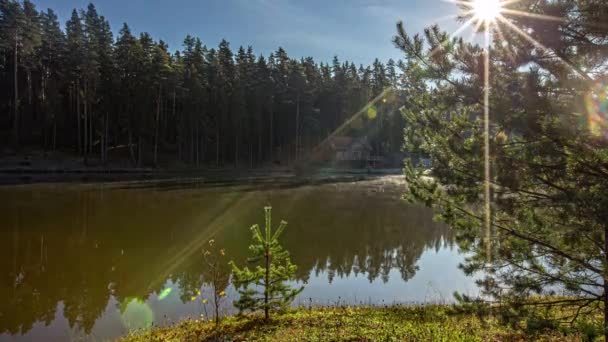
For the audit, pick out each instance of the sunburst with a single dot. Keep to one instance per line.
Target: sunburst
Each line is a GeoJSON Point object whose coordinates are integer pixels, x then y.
{"type": "Point", "coordinates": [489, 16]}
{"type": "Point", "coordinates": [486, 10]}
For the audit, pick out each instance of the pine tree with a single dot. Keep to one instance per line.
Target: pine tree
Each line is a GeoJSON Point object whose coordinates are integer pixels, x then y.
{"type": "Point", "coordinates": [20, 32]}
{"type": "Point", "coordinates": [52, 58]}
{"type": "Point", "coordinates": [271, 276]}
{"type": "Point", "coordinates": [126, 64]}
{"type": "Point", "coordinates": [106, 107]}
{"type": "Point", "coordinates": [548, 224]}
{"type": "Point", "coordinates": [81, 90]}
{"type": "Point", "coordinates": [75, 67]}
{"type": "Point", "coordinates": [161, 72]}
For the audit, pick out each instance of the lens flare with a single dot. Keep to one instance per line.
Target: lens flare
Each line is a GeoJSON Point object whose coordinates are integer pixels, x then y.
{"type": "Point", "coordinates": [372, 112]}
{"type": "Point", "coordinates": [596, 102]}
{"type": "Point", "coordinates": [486, 10]}
{"type": "Point", "coordinates": [137, 315]}
{"type": "Point", "coordinates": [165, 293]}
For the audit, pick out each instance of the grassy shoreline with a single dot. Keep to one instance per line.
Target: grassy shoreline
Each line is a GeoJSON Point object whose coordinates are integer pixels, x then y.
{"type": "Point", "coordinates": [392, 323]}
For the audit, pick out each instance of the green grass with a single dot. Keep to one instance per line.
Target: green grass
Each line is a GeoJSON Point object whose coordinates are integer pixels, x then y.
{"type": "Point", "coordinates": [429, 323]}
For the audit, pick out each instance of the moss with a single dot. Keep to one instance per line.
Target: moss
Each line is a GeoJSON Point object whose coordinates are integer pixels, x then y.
{"type": "Point", "coordinates": [429, 323]}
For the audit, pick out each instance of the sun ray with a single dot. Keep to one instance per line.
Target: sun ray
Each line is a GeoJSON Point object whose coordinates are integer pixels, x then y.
{"type": "Point", "coordinates": [194, 244]}
{"type": "Point", "coordinates": [450, 37]}
{"type": "Point", "coordinates": [544, 48]}
{"type": "Point", "coordinates": [501, 38]}
{"type": "Point", "coordinates": [457, 2]}
{"type": "Point", "coordinates": [486, 138]}
{"type": "Point", "coordinates": [508, 2]}
{"type": "Point", "coordinates": [351, 119]}
{"type": "Point", "coordinates": [446, 17]}
{"type": "Point", "coordinates": [476, 29]}
{"type": "Point", "coordinates": [532, 15]}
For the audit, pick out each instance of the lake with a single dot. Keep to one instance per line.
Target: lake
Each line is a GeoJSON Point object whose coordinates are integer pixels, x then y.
{"type": "Point", "coordinates": [90, 262]}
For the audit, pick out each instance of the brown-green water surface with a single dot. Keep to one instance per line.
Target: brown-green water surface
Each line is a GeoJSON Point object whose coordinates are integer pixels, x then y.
{"type": "Point", "coordinates": [90, 262]}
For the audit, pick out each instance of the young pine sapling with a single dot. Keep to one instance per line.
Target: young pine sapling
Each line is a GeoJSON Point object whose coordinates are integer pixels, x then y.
{"type": "Point", "coordinates": [264, 288]}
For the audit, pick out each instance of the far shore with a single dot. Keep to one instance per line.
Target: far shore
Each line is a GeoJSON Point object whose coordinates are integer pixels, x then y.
{"type": "Point", "coordinates": [20, 176]}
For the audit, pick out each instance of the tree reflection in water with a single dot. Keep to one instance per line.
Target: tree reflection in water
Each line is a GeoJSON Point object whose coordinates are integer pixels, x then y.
{"type": "Point", "coordinates": [84, 245]}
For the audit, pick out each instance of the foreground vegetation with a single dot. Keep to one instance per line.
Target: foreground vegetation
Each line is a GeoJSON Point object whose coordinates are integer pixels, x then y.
{"type": "Point", "coordinates": [427, 323]}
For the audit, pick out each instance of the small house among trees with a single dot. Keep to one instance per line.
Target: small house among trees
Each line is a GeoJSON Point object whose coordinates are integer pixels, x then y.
{"type": "Point", "coordinates": [350, 149]}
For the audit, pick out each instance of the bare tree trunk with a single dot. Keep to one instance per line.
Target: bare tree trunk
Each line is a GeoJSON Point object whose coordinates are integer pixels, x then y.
{"type": "Point", "coordinates": [140, 150]}
{"type": "Point", "coordinates": [267, 285]}
{"type": "Point", "coordinates": [102, 136]}
{"type": "Point", "coordinates": [131, 151]}
{"type": "Point", "coordinates": [54, 132]}
{"type": "Point", "coordinates": [259, 154]}
{"type": "Point", "coordinates": [45, 111]}
{"type": "Point", "coordinates": [178, 128]}
{"type": "Point", "coordinates": [236, 146]}
{"type": "Point", "coordinates": [192, 150]}
{"type": "Point", "coordinates": [86, 124]}
{"type": "Point", "coordinates": [605, 284]}
{"type": "Point", "coordinates": [16, 104]}
{"type": "Point", "coordinates": [216, 297]}
{"type": "Point", "coordinates": [217, 145]}
{"type": "Point", "coordinates": [271, 133]}
{"type": "Point", "coordinates": [297, 126]}
{"type": "Point", "coordinates": [250, 155]}
{"type": "Point", "coordinates": [202, 146]}
{"type": "Point", "coordinates": [90, 118]}
{"type": "Point", "coordinates": [105, 139]}
{"type": "Point", "coordinates": [160, 89]}
{"type": "Point", "coordinates": [78, 118]}
{"type": "Point", "coordinates": [71, 99]}
{"type": "Point", "coordinates": [198, 144]}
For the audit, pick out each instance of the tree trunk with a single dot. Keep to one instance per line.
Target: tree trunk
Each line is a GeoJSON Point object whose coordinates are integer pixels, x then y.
{"type": "Point", "coordinates": [90, 116]}
{"type": "Point", "coordinates": [131, 151]}
{"type": "Point", "coordinates": [45, 112]}
{"type": "Point", "coordinates": [605, 284]}
{"type": "Point", "coordinates": [236, 146]}
{"type": "Point", "coordinates": [16, 104]}
{"type": "Point", "coordinates": [217, 145]}
{"type": "Point", "coordinates": [198, 144]}
{"type": "Point", "coordinates": [78, 118]}
{"type": "Point", "coordinates": [54, 132]}
{"type": "Point", "coordinates": [105, 139]}
{"type": "Point", "coordinates": [259, 154]}
{"type": "Point", "coordinates": [140, 150]}
{"type": "Point", "coordinates": [192, 150]}
{"type": "Point", "coordinates": [297, 127]}
{"type": "Point", "coordinates": [102, 136]}
{"type": "Point", "coordinates": [160, 89]}
{"type": "Point", "coordinates": [216, 297]}
{"type": "Point", "coordinates": [86, 124]}
{"type": "Point", "coordinates": [271, 133]}
{"type": "Point", "coordinates": [267, 285]}
{"type": "Point", "coordinates": [177, 128]}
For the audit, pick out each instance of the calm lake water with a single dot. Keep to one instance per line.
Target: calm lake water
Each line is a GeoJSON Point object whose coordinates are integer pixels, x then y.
{"type": "Point", "coordinates": [90, 262]}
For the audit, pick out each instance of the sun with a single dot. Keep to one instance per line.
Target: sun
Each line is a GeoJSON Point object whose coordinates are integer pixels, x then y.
{"type": "Point", "coordinates": [486, 10]}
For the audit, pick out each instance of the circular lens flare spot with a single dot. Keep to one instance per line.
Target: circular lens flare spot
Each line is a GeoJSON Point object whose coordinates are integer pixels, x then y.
{"type": "Point", "coordinates": [137, 315]}
{"type": "Point", "coordinates": [372, 112]}
{"type": "Point", "coordinates": [165, 293]}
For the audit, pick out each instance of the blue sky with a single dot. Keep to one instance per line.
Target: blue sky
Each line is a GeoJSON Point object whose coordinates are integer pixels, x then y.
{"type": "Point", "coordinates": [357, 30]}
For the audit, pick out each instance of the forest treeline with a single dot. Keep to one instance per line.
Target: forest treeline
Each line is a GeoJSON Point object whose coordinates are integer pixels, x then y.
{"type": "Point", "coordinates": [82, 90]}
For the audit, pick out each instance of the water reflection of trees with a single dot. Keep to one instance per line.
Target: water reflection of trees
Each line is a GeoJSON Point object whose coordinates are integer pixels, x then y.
{"type": "Point", "coordinates": [81, 247]}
